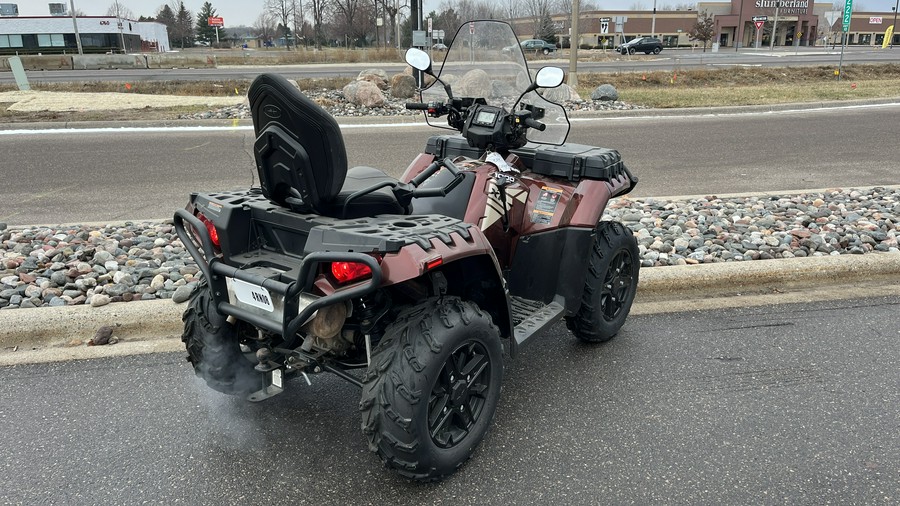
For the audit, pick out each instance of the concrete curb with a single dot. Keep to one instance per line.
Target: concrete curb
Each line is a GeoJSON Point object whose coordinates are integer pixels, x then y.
{"type": "Point", "coordinates": [67, 328]}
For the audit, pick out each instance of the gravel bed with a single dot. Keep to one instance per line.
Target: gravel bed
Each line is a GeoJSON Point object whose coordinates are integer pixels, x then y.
{"type": "Point", "coordinates": [334, 102]}
{"type": "Point", "coordinates": [70, 265]}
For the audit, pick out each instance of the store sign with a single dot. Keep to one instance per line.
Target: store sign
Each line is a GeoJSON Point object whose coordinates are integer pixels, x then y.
{"type": "Point", "coordinates": [785, 6]}
{"type": "Point", "coordinates": [875, 20]}
{"type": "Point", "coordinates": [215, 21]}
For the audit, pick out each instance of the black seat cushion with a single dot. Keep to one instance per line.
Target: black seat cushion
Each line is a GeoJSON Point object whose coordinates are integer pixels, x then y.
{"type": "Point", "coordinates": [299, 148]}
{"type": "Point", "coordinates": [378, 202]}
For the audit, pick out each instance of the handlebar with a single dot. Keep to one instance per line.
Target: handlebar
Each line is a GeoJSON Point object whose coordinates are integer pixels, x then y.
{"type": "Point", "coordinates": [416, 106]}
{"type": "Point", "coordinates": [535, 124]}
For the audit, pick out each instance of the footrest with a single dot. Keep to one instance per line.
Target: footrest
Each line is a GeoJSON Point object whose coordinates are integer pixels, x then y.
{"type": "Point", "coordinates": [531, 316]}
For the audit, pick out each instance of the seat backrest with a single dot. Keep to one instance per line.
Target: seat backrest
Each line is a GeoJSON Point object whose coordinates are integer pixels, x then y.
{"type": "Point", "coordinates": [299, 150]}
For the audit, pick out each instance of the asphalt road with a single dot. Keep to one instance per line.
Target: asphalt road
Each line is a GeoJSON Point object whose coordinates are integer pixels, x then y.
{"type": "Point", "coordinates": [117, 176]}
{"type": "Point", "coordinates": [668, 59]}
{"type": "Point", "coordinates": [793, 404]}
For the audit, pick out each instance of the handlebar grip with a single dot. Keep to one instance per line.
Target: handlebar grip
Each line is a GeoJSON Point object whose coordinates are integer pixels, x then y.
{"type": "Point", "coordinates": [416, 106]}
{"type": "Point", "coordinates": [537, 125]}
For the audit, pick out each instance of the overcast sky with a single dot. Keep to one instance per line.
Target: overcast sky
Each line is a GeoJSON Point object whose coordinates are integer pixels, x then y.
{"type": "Point", "coordinates": [245, 12]}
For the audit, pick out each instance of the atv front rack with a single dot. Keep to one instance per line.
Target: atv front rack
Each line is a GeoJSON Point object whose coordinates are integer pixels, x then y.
{"type": "Point", "coordinates": [212, 266]}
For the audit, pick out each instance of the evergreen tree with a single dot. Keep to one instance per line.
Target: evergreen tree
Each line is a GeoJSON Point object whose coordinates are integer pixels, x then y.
{"type": "Point", "coordinates": [165, 16]}
{"type": "Point", "coordinates": [184, 26]}
{"type": "Point", "coordinates": [547, 30]}
{"type": "Point", "coordinates": [205, 32]}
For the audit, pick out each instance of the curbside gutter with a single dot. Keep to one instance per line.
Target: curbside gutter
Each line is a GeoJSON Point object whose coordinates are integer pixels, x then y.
{"type": "Point", "coordinates": [59, 334]}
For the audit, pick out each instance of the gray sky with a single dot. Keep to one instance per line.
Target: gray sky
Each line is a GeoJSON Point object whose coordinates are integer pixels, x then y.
{"type": "Point", "coordinates": [245, 12]}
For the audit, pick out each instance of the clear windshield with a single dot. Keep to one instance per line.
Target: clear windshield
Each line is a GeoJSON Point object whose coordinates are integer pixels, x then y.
{"type": "Point", "coordinates": [486, 61]}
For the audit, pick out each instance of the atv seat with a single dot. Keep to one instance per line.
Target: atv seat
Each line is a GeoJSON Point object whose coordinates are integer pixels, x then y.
{"type": "Point", "coordinates": [301, 159]}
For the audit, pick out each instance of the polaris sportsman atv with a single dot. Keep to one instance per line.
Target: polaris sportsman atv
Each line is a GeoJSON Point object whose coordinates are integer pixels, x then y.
{"type": "Point", "coordinates": [410, 289]}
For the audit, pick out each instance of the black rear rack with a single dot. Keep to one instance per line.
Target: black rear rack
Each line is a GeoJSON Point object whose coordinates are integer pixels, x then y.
{"type": "Point", "coordinates": [213, 266]}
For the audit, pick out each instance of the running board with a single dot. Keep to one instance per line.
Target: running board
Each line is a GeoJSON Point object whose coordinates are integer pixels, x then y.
{"type": "Point", "coordinates": [531, 316]}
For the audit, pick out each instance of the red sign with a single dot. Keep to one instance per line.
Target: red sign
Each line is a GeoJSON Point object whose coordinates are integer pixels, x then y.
{"type": "Point", "coordinates": [758, 24]}
{"type": "Point", "coordinates": [471, 28]}
{"type": "Point", "coordinates": [216, 21]}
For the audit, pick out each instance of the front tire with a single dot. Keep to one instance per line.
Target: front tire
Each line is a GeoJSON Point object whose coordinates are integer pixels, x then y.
{"type": "Point", "coordinates": [631, 50]}
{"type": "Point", "coordinates": [213, 347]}
{"type": "Point", "coordinates": [610, 285]}
{"type": "Point", "coordinates": [432, 387]}
{"type": "Point", "coordinates": [546, 51]}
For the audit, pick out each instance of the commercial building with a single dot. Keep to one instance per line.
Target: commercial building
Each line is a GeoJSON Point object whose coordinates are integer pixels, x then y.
{"type": "Point", "coordinates": [99, 34]}
{"type": "Point", "coordinates": [799, 23]}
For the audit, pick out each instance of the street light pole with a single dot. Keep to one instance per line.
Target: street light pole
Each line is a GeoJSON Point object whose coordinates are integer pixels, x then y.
{"type": "Point", "coordinates": [75, 24]}
{"type": "Point", "coordinates": [653, 21]}
{"type": "Point", "coordinates": [896, 5]}
{"type": "Point", "coordinates": [740, 28]}
{"type": "Point", "coordinates": [573, 45]}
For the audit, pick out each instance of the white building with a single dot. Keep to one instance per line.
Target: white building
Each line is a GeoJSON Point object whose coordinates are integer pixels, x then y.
{"type": "Point", "coordinates": [99, 34]}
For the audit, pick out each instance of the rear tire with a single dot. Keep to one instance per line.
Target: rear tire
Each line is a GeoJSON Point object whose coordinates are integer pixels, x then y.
{"type": "Point", "coordinates": [610, 286]}
{"type": "Point", "coordinates": [657, 50]}
{"type": "Point", "coordinates": [432, 387]}
{"type": "Point", "coordinates": [213, 347]}
{"type": "Point", "coordinates": [546, 51]}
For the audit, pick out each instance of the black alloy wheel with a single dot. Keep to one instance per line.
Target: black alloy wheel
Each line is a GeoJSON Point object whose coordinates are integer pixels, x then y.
{"type": "Point", "coordinates": [617, 284]}
{"type": "Point", "coordinates": [458, 397]}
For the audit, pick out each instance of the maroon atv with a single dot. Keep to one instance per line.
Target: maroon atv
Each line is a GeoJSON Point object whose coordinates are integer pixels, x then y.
{"type": "Point", "coordinates": [410, 289]}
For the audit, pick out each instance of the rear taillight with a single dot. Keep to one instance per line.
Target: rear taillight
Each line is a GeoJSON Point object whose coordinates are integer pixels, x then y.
{"type": "Point", "coordinates": [213, 233]}
{"type": "Point", "coordinates": [345, 272]}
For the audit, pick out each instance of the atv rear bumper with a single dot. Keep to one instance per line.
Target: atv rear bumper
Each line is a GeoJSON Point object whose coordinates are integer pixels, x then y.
{"type": "Point", "coordinates": [294, 309]}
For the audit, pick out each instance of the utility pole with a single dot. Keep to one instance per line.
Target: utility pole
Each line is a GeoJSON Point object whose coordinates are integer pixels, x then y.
{"type": "Point", "coordinates": [573, 46]}
{"type": "Point", "coordinates": [653, 21]}
{"type": "Point", "coordinates": [739, 39]}
{"type": "Point", "coordinates": [119, 23]}
{"type": "Point", "coordinates": [75, 24]}
{"type": "Point", "coordinates": [774, 26]}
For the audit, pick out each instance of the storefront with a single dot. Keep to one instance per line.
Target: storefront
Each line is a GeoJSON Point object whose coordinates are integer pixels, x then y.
{"type": "Point", "coordinates": [798, 23]}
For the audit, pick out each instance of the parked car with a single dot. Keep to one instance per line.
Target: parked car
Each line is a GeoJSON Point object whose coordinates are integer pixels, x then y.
{"type": "Point", "coordinates": [533, 45]}
{"type": "Point", "coordinates": [645, 45]}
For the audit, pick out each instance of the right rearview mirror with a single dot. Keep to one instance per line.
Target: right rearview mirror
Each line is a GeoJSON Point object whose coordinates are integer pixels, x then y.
{"type": "Point", "coordinates": [418, 59]}
{"type": "Point", "coordinates": [549, 77]}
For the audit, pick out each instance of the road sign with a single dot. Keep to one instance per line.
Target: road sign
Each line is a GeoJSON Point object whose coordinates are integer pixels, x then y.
{"type": "Point", "coordinates": [430, 25]}
{"type": "Point", "coordinates": [215, 21]}
{"type": "Point", "coordinates": [471, 28]}
{"type": "Point", "coordinates": [848, 11]}
{"type": "Point", "coordinates": [831, 17]}
{"type": "Point", "coordinates": [760, 18]}
{"type": "Point", "coordinates": [604, 27]}
{"type": "Point", "coordinates": [758, 24]}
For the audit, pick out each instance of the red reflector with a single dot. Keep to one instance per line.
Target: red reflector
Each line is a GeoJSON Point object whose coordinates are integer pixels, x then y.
{"type": "Point", "coordinates": [344, 272]}
{"type": "Point", "coordinates": [213, 233]}
{"type": "Point", "coordinates": [431, 264]}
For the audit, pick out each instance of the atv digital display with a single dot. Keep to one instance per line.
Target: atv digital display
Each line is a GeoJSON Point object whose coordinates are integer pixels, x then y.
{"type": "Point", "coordinates": [485, 118]}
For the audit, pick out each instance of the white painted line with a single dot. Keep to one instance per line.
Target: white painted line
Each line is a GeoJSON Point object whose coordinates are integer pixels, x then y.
{"type": "Point", "coordinates": [141, 130]}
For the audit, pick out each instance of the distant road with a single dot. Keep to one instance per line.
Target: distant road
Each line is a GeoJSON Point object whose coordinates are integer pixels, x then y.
{"type": "Point", "coordinates": [116, 176]}
{"type": "Point", "coordinates": [668, 59]}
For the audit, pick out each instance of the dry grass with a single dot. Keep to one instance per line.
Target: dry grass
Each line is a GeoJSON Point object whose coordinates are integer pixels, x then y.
{"type": "Point", "coordinates": [124, 115]}
{"type": "Point", "coordinates": [177, 88]}
{"type": "Point", "coordinates": [301, 56]}
{"type": "Point", "coordinates": [748, 85]}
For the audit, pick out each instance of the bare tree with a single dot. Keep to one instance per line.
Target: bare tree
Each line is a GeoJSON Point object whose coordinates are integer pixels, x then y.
{"type": "Point", "coordinates": [283, 12]}
{"type": "Point", "coordinates": [511, 9]}
{"type": "Point", "coordinates": [120, 11]}
{"type": "Point", "coordinates": [392, 10]}
{"type": "Point", "coordinates": [318, 9]}
{"type": "Point", "coordinates": [348, 14]}
{"type": "Point", "coordinates": [265, 26]}
{"type": "Point", "coordinates": [638, 6]}
{"type": "Point", "coordinates": [704, 29]}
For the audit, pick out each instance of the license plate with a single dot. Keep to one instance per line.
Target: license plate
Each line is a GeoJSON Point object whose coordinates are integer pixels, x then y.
{"type": "Point", "coordinates": [253, 295]}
